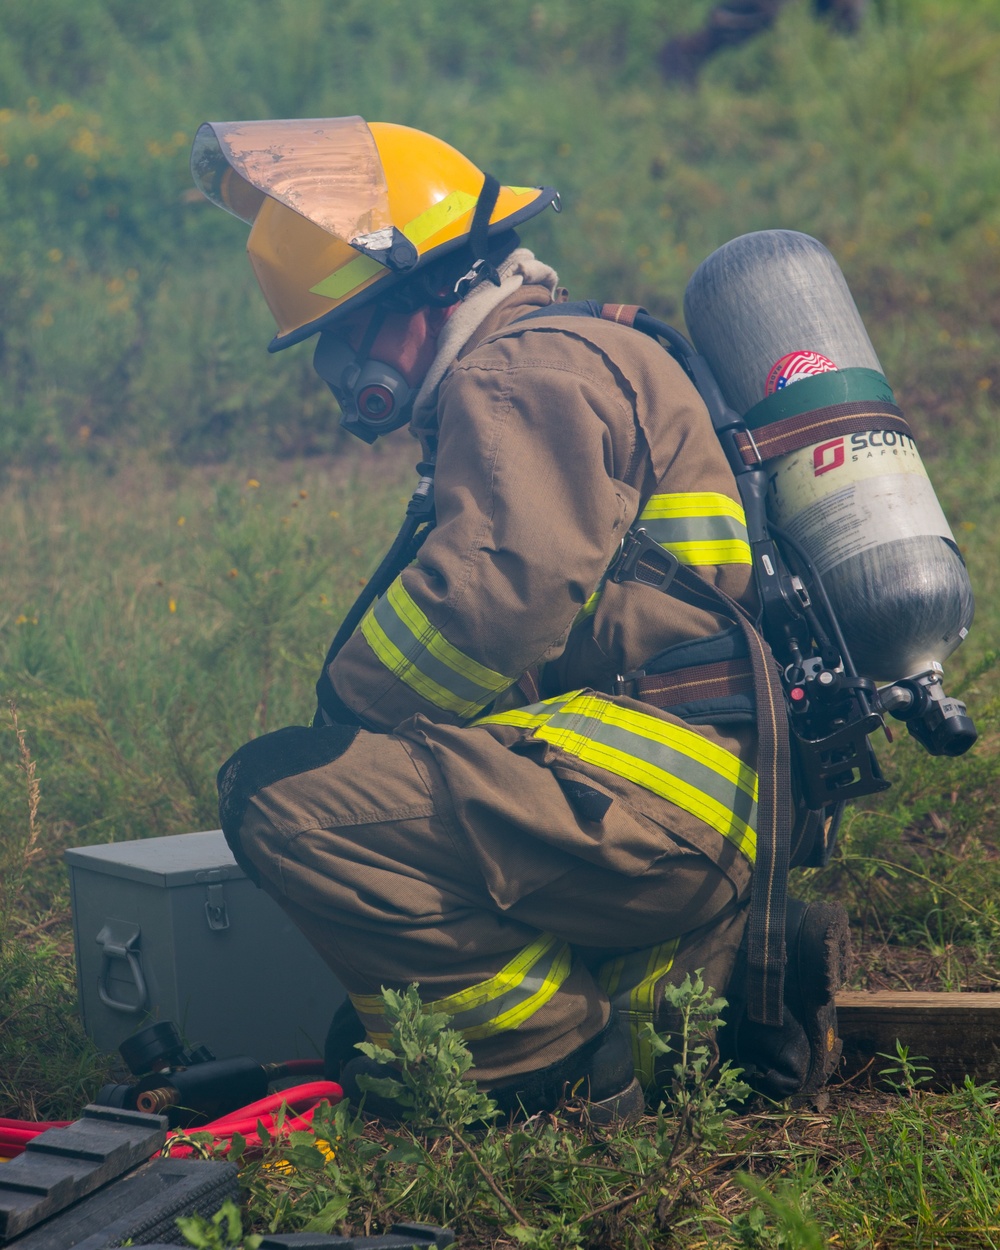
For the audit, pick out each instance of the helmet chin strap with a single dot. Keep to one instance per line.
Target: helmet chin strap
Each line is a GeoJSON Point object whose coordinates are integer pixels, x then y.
{"type": "Point", "coordinates": [374, 397]}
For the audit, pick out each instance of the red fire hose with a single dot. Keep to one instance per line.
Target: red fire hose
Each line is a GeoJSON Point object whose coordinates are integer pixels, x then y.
{"type": "Point", "coordinates": [300, 1103]}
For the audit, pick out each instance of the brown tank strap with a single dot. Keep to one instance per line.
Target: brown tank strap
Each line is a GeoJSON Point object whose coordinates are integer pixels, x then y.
{"type": "Point", "coordinates": [623, 314]}
{"type": "Point", "coordinates": [528, 684]}
{"type": "Point", "coordinates": [794, 433]}
{"type": "Point", "coordinates": [719, 680]}
{"type": "Point", "coordinates": [775, 815]}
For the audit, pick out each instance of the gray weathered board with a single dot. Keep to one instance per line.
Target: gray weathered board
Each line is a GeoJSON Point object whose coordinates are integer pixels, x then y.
{"type": "Point", "coordinates": [956, 1034]}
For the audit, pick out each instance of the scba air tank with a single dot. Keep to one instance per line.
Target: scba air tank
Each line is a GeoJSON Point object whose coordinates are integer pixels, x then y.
{"type": "Point", "coordinates": [772, 315]}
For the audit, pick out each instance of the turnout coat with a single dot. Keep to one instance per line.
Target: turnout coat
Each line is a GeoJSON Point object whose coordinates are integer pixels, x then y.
{"type": "Point", "coordinates": [499, 817]}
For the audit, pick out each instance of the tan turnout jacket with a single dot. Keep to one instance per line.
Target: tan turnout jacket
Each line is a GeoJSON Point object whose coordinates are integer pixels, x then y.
{"type": "Point", "coordinates": [553, 436]}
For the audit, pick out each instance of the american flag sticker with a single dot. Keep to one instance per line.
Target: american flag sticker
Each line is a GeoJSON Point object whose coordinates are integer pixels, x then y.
{"type": "Point", "coordinates": [794, 367]}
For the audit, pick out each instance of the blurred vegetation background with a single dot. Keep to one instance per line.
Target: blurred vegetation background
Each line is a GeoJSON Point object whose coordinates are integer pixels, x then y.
{"type": "Point", "coordinates": [182, 524]}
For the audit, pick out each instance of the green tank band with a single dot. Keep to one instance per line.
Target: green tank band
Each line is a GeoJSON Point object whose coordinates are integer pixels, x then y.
{"type": "Point", "coordinates": [840, 386]}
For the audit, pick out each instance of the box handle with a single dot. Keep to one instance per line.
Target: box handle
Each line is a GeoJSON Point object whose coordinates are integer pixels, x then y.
{"type": "Point", "coordinates": [120, 940]}
{"type": "Point", "coordinates": [215, 900]}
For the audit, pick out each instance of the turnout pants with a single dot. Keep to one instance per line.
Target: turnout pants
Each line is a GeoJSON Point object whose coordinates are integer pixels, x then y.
{"type": "Point", "coordinates": [440, 856]}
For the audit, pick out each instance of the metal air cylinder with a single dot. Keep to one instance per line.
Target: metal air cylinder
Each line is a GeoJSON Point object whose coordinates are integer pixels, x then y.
{"type": "Point", "coordinates": [773, 316]}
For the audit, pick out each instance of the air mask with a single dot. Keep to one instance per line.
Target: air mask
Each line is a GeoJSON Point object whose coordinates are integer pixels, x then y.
{"type": "Point", "coordinates": [374, 398]}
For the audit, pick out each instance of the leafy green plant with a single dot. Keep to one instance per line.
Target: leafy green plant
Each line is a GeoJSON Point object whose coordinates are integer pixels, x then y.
{"type": "Point", "coordinates": [703, 1096]}
{"type": "Point", "coordinates": [223, 1231]}
{"type": "Point", "coordinates": [432, 1061]}
{"type": "Point", "coordinates": [906, 1072]}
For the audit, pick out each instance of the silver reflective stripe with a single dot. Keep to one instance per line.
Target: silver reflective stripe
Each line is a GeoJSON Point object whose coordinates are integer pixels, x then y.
{"type": "Point", "coordinates": [693, 529]}
{"type": "Point", "coordinates": [420, 656]}
{"type": "Point", "coordinates": [500, 1003]}
{"type": "Point", "coordinates": [663, 757]}
{"type": "Point", "coordinates": [671, 760]}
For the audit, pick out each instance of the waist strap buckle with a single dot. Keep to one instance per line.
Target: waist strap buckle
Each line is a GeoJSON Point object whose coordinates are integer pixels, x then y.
{"type": "Point", "coordinates": [643, 560]}
{"type": "Point", "coordinates": [627, 683]}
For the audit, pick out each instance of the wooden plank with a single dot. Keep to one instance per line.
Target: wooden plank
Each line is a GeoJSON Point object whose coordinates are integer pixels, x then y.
{"type": "Point", "coordinates": [957, 1034]}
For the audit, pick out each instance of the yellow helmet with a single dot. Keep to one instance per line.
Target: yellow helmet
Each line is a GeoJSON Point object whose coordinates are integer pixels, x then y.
{"type": "Point", "coordinates": [342, 211]}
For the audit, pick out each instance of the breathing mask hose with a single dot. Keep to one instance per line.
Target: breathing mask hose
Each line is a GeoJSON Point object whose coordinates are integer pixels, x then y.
{"type": "Point", "coordinates": [418, 523]}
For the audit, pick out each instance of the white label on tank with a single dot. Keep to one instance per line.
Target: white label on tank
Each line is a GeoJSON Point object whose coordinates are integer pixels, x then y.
{"type": "Point", "coordinates": [854, 492]}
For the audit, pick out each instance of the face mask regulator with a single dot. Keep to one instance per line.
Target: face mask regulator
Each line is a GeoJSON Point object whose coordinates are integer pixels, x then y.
{"type": "Point", "coordinates": [374, 398]}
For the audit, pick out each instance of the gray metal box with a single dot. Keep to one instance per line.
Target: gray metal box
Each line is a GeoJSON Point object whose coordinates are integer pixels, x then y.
{"type": "Point", "coordinates": [171, 929]}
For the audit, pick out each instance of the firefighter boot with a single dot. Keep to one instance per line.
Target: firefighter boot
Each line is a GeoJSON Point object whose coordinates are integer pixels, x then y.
{"type": "Point", "coordinates": [799, 1056]}
{"type": "Point", "coordinates": [599, 1073]}
{"type": "Point", "coordinates": [345, 1031]}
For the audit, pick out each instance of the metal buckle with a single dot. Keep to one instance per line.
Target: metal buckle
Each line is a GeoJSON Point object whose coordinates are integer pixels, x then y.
{"type": "Point", "coordinates": [753, 443]}
{"type": "Point", "coordinates": [659, 565]}
{"type": "Point", "coordinates": [481, 271]}
{"type": "Point", "coordinates": [623, 681]}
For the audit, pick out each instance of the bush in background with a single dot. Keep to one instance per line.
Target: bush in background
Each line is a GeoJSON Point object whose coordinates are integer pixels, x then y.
{"type": "Point", "coordinates": [129, 317]}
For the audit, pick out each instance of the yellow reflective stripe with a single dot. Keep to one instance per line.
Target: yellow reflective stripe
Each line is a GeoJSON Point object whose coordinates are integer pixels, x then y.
{"type": "Point", "coordinates": [390, 655]}
{"type": "Point", "coordinates": [348, 277]}
{"type": "Point", "coordinates": [630, 982]}
{"type": "Point", "coordinates": [529, 717]}
{"type": "Point", "coordinates": [435, 642]}
{"type": "Point", "coordinates": [434, 219]}
{"type": "Point", "coordinates": [590, 607]}
{"type": "Point", "coordinates": [659, 781]}
{"type": "Point", "coordinates": [631, 742]}
{"type": "Point", "coordinates": [509, 976]}
{"type": "Point", "coordinates": [698, 527]}
{"type": "Point", "coordinates": [420, 656]}
{"type": "Point", "coordinates": [678, 737]}
{"type": "Point", "coordinates": [501, 1003]}
{"type": "Point", "coordinates": [692, 504]}
{"type": "Point", "coordinates": [515, 1016]}
{"type": "Point", "coordinates": [423, 227]}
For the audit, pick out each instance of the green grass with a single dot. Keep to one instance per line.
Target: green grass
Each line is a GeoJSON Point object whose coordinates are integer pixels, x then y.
{"type": "Point", "coordinates": [129, 315]}
{"type": "Point", "coordinates": [911, 1169]}
{"type": "Point", "coordinates": [159, 609]}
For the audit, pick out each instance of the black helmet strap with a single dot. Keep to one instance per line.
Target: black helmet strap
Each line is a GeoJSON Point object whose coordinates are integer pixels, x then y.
{"type": "Point", "coordinates": [483, 269]}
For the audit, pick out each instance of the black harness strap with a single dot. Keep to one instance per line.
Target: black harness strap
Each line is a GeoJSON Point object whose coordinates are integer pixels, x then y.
{"type": "Point", "coordinates": [646, 562]}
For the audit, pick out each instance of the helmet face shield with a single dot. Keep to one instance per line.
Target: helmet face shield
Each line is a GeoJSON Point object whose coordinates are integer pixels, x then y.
{"type": "Point", "coordinates": [326, 170]}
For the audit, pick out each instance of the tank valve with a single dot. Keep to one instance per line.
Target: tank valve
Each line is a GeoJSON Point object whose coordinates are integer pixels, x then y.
{"type": "Point", "coordinates": [939, 723]}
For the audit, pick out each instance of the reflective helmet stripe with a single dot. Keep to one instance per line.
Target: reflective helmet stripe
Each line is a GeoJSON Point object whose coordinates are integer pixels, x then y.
{"type": "Point", "coordinates": [423, 227]}
{"type": "Point", "coordinates": [670, 760]}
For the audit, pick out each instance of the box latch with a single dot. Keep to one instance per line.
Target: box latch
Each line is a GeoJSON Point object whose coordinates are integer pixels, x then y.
{"type": "Point", "coordinates": [215, 899]}
{"type": "Point", "coordinates": [119, 942]}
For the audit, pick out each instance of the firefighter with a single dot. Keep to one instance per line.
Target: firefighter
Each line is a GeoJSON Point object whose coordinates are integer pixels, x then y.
{"type": "Point", "coordinates": [493, 801]}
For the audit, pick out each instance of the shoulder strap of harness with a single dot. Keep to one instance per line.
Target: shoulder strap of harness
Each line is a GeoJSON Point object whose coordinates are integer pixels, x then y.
{"type": "Point", "coordinates": [645, 561]}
